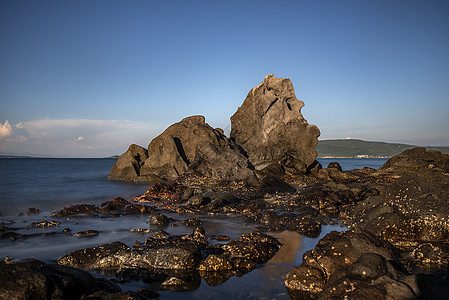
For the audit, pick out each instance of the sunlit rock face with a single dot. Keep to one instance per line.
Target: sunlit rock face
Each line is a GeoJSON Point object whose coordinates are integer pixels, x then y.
{"type": "Point", "coordinates": [269, 126]}
{"type": "Point", "coordinates": [193, 145]}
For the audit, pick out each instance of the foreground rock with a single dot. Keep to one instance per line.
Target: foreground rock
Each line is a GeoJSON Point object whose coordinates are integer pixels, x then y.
{"type": "Point", "coordinates": [173, 261]}
{"type": "Point", "coordinates": [116, 207]}
{"type": "Point", "coordinates": [412, 213]}
{"type": "Point", "coordinates": [269, 126]}
{"type": "Point", "coordinates": [357, 265]}
{"type": "Point", "coordinates": [33, 279]}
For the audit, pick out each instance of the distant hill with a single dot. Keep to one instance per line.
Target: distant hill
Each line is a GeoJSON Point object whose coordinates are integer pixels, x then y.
{"type": "Point", "coordinates": [359, 148]}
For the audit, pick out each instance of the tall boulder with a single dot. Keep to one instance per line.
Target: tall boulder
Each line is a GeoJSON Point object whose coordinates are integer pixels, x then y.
{"type": "Point", "coordinates": [269, 126]}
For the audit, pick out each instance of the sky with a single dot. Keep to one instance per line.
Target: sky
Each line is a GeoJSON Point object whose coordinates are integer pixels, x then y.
{"type": "Point", "coordinates": [88, 78]}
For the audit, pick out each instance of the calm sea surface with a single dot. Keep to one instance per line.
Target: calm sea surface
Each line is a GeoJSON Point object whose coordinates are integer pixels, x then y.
{"type": "Point", "coordinates": [50, 184]}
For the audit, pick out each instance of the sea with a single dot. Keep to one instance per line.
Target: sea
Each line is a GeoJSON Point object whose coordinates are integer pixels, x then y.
{"type": "Point", "coordinates": [49, 184]}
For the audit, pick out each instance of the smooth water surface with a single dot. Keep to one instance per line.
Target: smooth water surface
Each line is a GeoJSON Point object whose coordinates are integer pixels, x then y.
{"type": "Point", "coordinates": [354, 163]}
{"type": "Point", "coordinates": [52, 183]}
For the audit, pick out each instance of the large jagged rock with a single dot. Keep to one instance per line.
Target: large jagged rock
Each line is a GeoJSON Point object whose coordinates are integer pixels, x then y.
{"type": "Point", "coordinates": [189, 145]}
{"type": "Point", "coordinates": [194, 145]}
{"type": "Point", "coordinates": [269, 126]}
{"type": "Point", "coordinates": [127, 167]}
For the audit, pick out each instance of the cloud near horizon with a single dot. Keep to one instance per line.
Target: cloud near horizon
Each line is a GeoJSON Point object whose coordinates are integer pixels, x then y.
{"type": "Point", "coordinates": [74, 137]}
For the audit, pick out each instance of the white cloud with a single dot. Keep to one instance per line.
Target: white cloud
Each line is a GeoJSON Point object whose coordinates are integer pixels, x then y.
{"type": "Point", "coordinates": [5, 130]}
{"type": "Point", "coordinates": [75, 137]}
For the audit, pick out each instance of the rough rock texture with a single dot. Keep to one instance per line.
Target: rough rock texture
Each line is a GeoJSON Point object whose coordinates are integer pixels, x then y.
{"type": "Point", "coordinates": [193, 144]}
{"type": "Point", "coordinates": [357, 265]}
{"type": "Point", "coordinates": [87, 257]}
{"type": "Point", "coordinates": [269, 126]}
{"type": "Point", "coordinates": [417, 159]}
{"type": "Point", "coordinates": [189, 145]}
{"type": "Point", "coordinates": [127, 167]}
{"type": "Point", "coordinates": [412, 213]}
{"type": "Point", "coordinates": [33, 279]}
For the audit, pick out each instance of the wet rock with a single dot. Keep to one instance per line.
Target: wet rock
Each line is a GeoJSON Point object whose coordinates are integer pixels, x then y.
{"type": "Point", "coordinates": [171, 193]}
{"type": "Point", "coordinates": [417, 159]}
{"type": "Point", "coordinates": [13, 236]}
{"type": "Point", "coordinates": [256, 246]}
{"type": "Point", "coordinates": [214, 263]}
{"type": "Point", "coordinates": [170, 256]}
{"type": "Point", "coordinates": [127, 167]}
{"type": "Point", "coordinates": [78, 209]}
{"type": "Point", "coordinates": [335, 165]}
{"type": "Point", "coordinates": [141, 230]}
{"type": "Point", "coordinates": [87, 233]}
{"type": "Point", "coordinates": [161, 234]}
{"type": "Point", "coordinates": [271, 129]}
{"type": "Point", "coordinates": [427, 256]}
{"type": "Point", "coordinates": [45, 224]}
{"type": "Point", "coordinates": [336, 250]}
{"type": "Point", "coordinates": [159, 220]}
{"type": "Point", "coordinates": [88, 258]}
{"type": "Point", "coordinates": [116, 207]}
{"type": "Point", "coordinates": [36, 280]}
{"type": "Point", "coordinates": [413, 210]}
{"type": "Point", "coordinates": [198, 200]}
{"type": "Point", "coordinates": [222, 238]}
{"type": "Point", "coordinates": [192, 222]}
{"type": "Point", "coordinates": [32, 211]}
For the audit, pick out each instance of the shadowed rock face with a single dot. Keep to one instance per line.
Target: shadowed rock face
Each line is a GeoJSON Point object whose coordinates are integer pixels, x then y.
{"type": "Point", "coordinates": [269, 126]}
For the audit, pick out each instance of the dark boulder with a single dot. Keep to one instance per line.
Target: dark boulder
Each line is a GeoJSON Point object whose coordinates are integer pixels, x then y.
{"type": "Point", "coordinates": [32, 279]}
{"type": "Point", "coordinates": [412, 212]}
{"type": "Point", "coordinates": [270, 128]}
{"type": "Point", "coordinates": [417, 159]}
{"type": "Point", "coordinates": [192, 145]}
{"type": "Point", "coordinates": [335, 251]}
{"type": "Point", "coordinates": [87, 258]}
{"type": "Point", "coordinates": [170, 257]}
{"type": "Point", "coordinates": [127, 167]}
{"type": "Point", "coordinates": [192, 222]}
{"type": "Point", "coordinates": [256, 246]}
{"type": "Point", "coordinates": [159, 220]}
{"type": "Point", "coordinates": [335, 165]}
{"type": "Point", "coordinates": [32, 211]}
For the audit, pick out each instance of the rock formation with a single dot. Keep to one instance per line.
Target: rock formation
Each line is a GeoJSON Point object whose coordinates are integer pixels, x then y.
{"type": "Point", "coordinates": [268, 130]}
{"type": "Point", "coordinates": [127, 167]}
{"type": "Point", "coordinates": [269, 126]}
{"type": "Point", "coordinates": [189, 145]}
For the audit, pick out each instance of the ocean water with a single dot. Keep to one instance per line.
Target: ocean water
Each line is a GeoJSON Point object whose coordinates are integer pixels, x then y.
{"type": "Point", "coordinates": [354, 163]}
{"type": "Point", "coordinates": [50, 184]}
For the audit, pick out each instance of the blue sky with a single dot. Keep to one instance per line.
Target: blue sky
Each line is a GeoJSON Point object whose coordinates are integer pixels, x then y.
{"type": "Point", "coordinates": [88, 78]}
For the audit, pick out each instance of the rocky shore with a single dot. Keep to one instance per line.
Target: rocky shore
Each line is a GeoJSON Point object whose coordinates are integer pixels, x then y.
{"type": "Point", "coordinates": [396, 245]}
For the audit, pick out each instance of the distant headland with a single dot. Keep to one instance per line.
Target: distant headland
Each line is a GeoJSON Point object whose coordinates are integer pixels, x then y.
{"type": "Point", "coordinates": [354, 148]}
